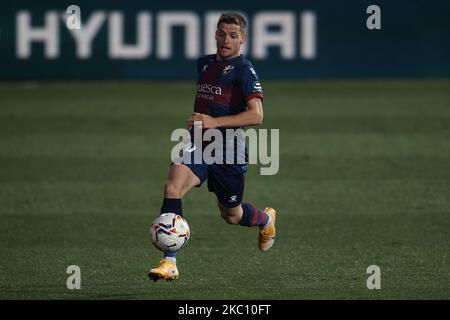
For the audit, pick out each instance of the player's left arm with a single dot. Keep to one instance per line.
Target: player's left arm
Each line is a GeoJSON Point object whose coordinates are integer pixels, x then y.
{"type": "Point", "coordinates": [252, 116]}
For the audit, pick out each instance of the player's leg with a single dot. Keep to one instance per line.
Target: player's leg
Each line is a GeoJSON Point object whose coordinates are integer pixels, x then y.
{"type": "Point", "coordinates": [181, 179]}
{"type": "Point", "coordinates": [230, 215]}
{"type": "Point", "coordinates": [227, 182]}
{"type": "Point", "coordinates": [247, 214]}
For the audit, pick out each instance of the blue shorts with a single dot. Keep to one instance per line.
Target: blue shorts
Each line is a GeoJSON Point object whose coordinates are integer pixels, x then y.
{"type": "Point", "coordinates": [225, 180]}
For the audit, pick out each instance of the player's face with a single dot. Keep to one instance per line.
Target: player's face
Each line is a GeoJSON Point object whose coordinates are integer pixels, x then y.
{"type": "Point", "coordinates": [229, 39]}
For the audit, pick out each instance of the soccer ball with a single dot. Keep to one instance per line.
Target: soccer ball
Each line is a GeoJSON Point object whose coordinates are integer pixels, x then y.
{"type": "Point", "coordinates": [170, 232]}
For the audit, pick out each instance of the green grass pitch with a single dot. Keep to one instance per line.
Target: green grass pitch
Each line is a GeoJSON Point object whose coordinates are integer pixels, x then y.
{"type": "Point", "coordinates": [364, 180]}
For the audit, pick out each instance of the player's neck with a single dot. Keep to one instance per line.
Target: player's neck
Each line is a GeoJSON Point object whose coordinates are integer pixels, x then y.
{"type": "Point", "coordinates": [219, 58]}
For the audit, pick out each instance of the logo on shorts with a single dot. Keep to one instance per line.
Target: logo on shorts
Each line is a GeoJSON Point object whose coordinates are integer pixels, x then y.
{"type": "Point", "coordinates": [233, 199]}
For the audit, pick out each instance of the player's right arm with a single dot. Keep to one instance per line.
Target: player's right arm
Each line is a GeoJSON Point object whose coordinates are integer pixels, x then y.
{"type": "Point", "coordinates": [252, 116]}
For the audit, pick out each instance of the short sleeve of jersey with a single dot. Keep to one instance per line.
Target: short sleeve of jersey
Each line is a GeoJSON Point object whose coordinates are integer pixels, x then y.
{"type": "Point", "coordinates": [249, 83]}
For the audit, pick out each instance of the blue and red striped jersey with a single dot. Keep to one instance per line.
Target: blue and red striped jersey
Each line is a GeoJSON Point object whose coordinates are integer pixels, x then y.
{"type": "Point", "coordinates": [225, 86]}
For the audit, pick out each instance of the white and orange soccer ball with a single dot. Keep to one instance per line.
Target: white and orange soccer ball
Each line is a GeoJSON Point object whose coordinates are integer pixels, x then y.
{"type": "Point", "coordinates": [170, 232]}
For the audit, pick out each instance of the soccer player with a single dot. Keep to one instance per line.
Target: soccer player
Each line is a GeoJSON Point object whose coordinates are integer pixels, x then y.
{"type": "Point", "coordinates": [229, 95]}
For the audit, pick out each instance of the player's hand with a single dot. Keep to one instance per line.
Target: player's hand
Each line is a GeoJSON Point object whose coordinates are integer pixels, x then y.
{"type": "Point", "coordinates": [190, 122]}
{"type": "Point", "coordinates": [207, 121]}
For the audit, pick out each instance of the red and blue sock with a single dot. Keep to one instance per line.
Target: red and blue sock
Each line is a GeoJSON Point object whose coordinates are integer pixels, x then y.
{"type": "Point", "coordinates": [252, 216]}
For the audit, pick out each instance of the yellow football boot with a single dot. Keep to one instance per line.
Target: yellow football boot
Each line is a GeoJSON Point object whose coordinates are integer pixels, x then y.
{"type": "Point", "coordinates": [267, 233]}
{"type": "Point", "coordinates": [166, 270]}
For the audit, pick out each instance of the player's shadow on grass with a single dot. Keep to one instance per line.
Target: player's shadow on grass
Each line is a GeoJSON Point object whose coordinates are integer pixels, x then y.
{"type": "Point", "coordinates": [44, 292]}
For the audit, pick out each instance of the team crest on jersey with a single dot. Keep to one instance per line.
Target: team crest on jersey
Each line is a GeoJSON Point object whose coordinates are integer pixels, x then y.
{"type": "Point", "coordinates": [204, 68]}
{"type": "Point", "coordinates": [227, 69]}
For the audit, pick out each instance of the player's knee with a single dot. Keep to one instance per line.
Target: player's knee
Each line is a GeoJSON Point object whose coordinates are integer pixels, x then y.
{"type": "Point", "coordinates": [171, 190]}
